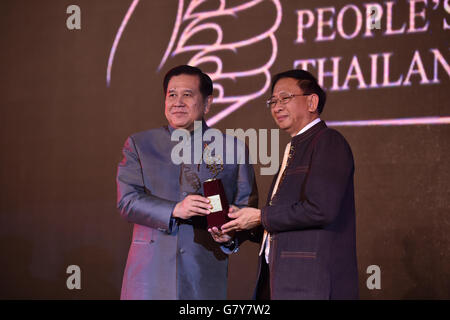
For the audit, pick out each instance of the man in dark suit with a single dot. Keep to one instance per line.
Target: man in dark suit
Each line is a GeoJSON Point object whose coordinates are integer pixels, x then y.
{"type": "Point", "coordinates": [172, 255]}
{"type": "Point", "coordinates": [309, 248]}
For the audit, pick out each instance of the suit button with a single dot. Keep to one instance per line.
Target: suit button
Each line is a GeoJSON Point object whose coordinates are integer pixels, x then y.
{"type": "Point", "coordinates": [184, 194]}
{"type": "Point", "coordinates": [181, 250]}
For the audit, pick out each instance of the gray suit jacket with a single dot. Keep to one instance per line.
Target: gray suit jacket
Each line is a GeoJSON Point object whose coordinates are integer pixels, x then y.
{"type": "Point", "coordinates": [169, 258]}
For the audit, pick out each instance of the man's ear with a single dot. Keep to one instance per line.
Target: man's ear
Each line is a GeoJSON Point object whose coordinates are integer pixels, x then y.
{"type": "Point", "coordinates": [208, 103]}
{"type": "Point", "coordinates": [313, 102]}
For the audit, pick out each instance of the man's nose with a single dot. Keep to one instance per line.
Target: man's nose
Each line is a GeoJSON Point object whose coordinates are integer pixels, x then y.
{"type": "Point", "coordinates": [179, 101]}
{"type": "Point", "coordinates": [278, 106]}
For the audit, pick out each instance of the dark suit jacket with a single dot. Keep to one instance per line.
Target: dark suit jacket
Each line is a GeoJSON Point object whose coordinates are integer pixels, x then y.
{"type": "Point", "coordinates": [312, 220]}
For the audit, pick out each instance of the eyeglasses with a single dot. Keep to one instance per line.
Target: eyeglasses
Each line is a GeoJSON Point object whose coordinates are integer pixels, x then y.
{"type": "Point", "coordinates": [283, 99]}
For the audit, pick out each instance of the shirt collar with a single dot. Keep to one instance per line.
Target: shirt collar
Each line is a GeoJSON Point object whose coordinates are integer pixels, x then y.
{"type": "Point", "coordinates": [309, 125]}
{"type": "Point", "coordinates": [203, 127]}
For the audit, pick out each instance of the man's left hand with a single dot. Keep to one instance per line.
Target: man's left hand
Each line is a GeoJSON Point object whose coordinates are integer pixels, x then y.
{"type": "Point", "coordinates": [220, 236]}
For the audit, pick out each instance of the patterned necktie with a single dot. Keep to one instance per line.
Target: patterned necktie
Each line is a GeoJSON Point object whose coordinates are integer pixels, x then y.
{"type": "Point", "coordinates": [266, 238]}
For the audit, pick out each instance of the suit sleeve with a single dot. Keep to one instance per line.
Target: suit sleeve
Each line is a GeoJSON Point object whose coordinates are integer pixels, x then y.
{"type": "Point", "coordinates": [331, 172]}
{"type": "Point", "coordinates": [135, 202]}
{"type": "Point", "coordinates": [246, 195]}
{"type": "Point", "coordinates": [247, 192]}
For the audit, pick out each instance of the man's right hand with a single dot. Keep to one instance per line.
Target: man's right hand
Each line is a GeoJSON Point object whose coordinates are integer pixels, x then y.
{"type": "Point", "coordinates": [192, 205]}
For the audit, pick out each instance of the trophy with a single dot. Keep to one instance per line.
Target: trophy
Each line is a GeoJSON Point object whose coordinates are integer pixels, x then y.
{"type": "Point", "coordinates": [214, 191]}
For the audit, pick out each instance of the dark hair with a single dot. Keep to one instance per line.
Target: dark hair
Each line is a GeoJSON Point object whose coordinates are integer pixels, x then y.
{"type": "Point", "coordinates": [306, 82]}
{"type": "Point", "coordinates": [206, 86]}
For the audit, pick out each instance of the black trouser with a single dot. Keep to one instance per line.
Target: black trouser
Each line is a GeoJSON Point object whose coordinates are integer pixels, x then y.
{"type": "Point", "coordinates": [263, 288]}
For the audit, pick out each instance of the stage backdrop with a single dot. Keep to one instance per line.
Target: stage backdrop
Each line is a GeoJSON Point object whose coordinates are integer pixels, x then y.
{"type": "Point", "coordinates": [78, 77]}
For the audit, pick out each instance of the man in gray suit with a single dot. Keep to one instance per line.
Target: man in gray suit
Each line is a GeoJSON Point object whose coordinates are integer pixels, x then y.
{"type": "Point", "coordinates": [172, 255]}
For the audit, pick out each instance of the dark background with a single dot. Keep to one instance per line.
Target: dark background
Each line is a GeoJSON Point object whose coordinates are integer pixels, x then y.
{"type": "Point", "coordinates": [62, 130]}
